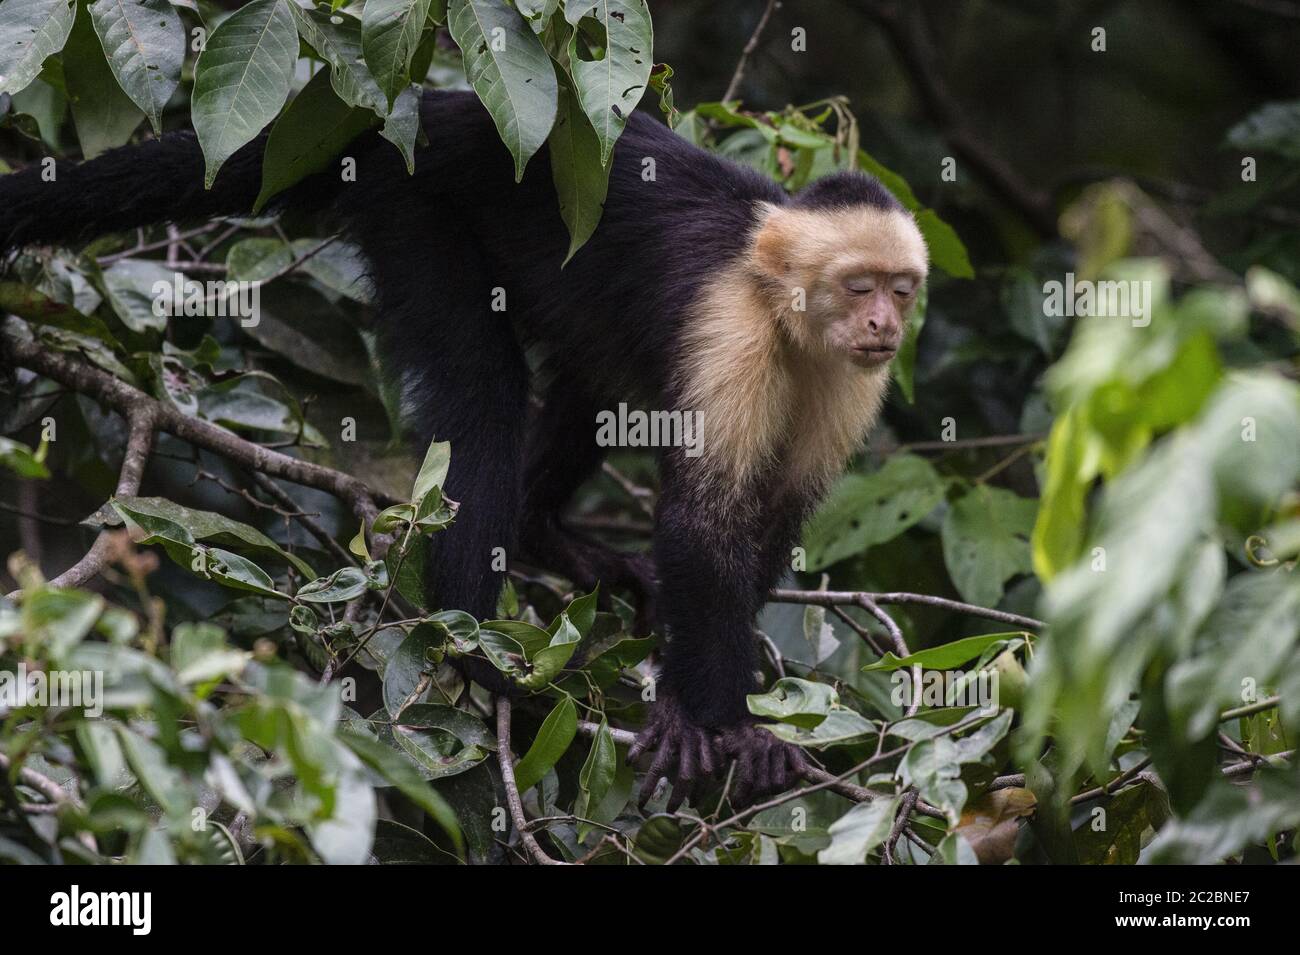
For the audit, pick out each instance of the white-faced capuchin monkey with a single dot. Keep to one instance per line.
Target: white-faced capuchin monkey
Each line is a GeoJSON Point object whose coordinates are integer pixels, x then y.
{"type": "Point", "coordinates": [705, 288]}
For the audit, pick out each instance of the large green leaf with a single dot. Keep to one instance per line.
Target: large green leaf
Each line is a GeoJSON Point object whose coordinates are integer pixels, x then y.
{"type": "Point", "coordinates": [336, 37]}
{"type": "Point", "coordinates": [316, 127]}
{"type": "Point", "coordinates": [30, 31]}
{"type": "Point", "coordinates": [986, 542]}
{"type": "Point", "coordinates": [867, 509]}
{"type": "Point", "coordinates": [161, 520]}
{"type": "Point", "coordinates": [510, 70]}
{"type": "Point", "coordinates": [390, 33]}
{"type": "Point", "coordinates": [104, 116]}
{"type": "Point", "coordinates": [581, 181]}
{"type": "Point", "coordinates": [946, 657]}
{"type": "Point", "coordinates": [553, 739]}
{"type": "Point", "coordinates": [242, 78]}
{"type": "Point", "coordinates": [144, 41]}
{"type": "Point", "coordinates": [858, 831]}
{"type": "Point", "coordinates": [610, 87]}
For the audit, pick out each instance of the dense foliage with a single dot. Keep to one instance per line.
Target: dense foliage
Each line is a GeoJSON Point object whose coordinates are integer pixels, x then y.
{"type": "Point", "coordinates": [1116, 563]}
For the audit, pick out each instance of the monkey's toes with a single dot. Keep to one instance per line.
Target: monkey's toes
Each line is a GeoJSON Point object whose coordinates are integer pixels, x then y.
{"type": "Point", "coordinates": [684, 754]}
{"type": "Point", "coordinates": [765, 765]}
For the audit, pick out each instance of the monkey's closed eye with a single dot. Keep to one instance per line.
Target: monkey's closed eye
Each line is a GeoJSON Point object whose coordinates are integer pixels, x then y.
{"type": "Point", "coordinates": [859, 286]}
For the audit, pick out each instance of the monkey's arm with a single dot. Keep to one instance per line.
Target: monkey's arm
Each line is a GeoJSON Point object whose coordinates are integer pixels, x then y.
{"type": "Point", "coordinates": [716, 563]}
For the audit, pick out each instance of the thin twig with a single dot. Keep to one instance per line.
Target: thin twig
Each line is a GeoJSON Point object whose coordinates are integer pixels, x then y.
{"type": "Point", "coordinates": [831, 598]}
{"type": "Point", "coordinates": [507, 764]}
{"type": "Point", "coordinates": [734, 86]}
{"type": "Point", "coordinates": [138, 445]}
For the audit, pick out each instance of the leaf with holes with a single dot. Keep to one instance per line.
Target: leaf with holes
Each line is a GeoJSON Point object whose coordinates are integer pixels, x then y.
{"type": "Point", "coordinates": [867, 509]}
{"type": "Point", "coordinates": [509, 70]}
{"type": "Point", "coordinates": [144, 41]}
{"type": "Point", "coordinates": [610, 86]}
{"type": "Point", "coordinates": [30, 31]}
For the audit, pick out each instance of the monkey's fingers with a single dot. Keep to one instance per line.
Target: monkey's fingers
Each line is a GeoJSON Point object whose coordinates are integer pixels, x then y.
{"type": "Point", "coordinates": [665, 758]}
{"type": "Point", "coordinates": [645, 741]}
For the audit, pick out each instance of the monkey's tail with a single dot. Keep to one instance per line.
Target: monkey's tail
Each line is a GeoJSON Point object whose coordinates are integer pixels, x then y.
{"type": "Point", "coordinates": [159, 180]}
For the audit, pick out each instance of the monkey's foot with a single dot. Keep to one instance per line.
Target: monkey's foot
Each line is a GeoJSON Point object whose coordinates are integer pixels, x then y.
{"type": "Point", "coordinates": [765, 765]}
{"type": "Point", "coordinates": [684, 754]}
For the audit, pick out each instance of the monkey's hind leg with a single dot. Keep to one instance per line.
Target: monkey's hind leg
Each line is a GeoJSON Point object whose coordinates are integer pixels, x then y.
{"type": "Point", "coordinates": [561, 454]}
{"type": "Point", "coordinates": [463, 379]}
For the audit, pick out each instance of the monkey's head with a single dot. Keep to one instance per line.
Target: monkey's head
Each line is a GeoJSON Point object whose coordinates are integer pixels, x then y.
{"type": "Point", "coordinates": [845, 262]}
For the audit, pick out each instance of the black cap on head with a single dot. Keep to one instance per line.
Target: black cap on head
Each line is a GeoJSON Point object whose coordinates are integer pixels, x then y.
{"type": "Point", "coordinates": [843, 189]}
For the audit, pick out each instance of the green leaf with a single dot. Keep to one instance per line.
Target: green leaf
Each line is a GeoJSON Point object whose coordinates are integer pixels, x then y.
{"type": "Point", "coordinates": [31, 31]}
{"type": "Point", "coordinates": [398, 771]}
{"type": "Point", "coordinates": [161, 521]}
{"type": "Point", "coordinates": [946, 657]}
{"type": "Point", "coordinates": [341, 586]}
{"type": "Point", "coordinates": [408, 665]}
{"type": "Point", "coordinates": [402, 125]}
{"type": "Point", "coordinates": [390, 33]}
{"type": "Point", "coordinates": [986, 542]}
{"type": "Point", "coordinates": [864, 510]}
{"type": "Point", "coordinates": [200, 653]}
{"type": "Point", "coordinates": [581, 180]}
{"type": "Point", "coordinates": [346, 836]}
{"type": "Point", "coordinates": [315, 128]}
{"type": "Point", "coordinates": [129, 287]}
{"type": "Point", "coordinates": [596, 776]}
{"type": "Point", "coordinates": [144, 41]}
{"type": "Point", "coordinates": [610, 87]}
{"type": "Point", "coordinates": [1274, 128]}
{"type": "Point", "coordinates": [104, 115]}
{"type": "Point", "coordinates": [336, 37]}
{"type": "Point", "coordinates": [1229, 819]}
{"type": "Point", "coordinates": [903, 367]}
{"type": "Point", "coordinates": [433, 470]}
{"type": "Point", "coordinates": [442, 740]}
{"type": "Point", "coordinates": [242, 78]}
{"type": "Point", "coordinates": [798, 702]}
{"type": "Point", "coordinates": [946, 250]}
{"type": "Point", "coordinates": [19, 459]}
{"type": "Point", "coordinates": [553, 739]}
{"type": "Point", "coordinates": [858, 831]}
{"type": "Point", "coordinates": [509, 70]}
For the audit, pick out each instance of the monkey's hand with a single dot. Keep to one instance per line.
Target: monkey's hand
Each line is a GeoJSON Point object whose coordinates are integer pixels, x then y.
{"type": "Point", "coordinates": [684, 753]}
{"type": "Point", "coordinates": [765, 765]}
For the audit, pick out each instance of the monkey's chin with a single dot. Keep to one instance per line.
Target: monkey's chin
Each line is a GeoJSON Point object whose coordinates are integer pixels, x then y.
{"type": "Point", "coordinates": [872, 357]}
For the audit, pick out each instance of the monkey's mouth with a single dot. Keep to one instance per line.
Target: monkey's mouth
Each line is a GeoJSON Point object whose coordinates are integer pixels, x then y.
{"type": "Point", "coordinates": [872, 355]}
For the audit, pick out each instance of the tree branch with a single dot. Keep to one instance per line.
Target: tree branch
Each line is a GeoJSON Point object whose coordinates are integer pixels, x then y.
{"type": "Point", "coordinates": [138, 445]}
{"type": "Point", "coordinates": [734, 86]}
{"type": "Point", "coordinates": [507, 762]}
{"type": "Point", "coordinates": [831, 598]}
{"type": "Point", "coordinates": [913, 44]}
{"type": "Point", "coordinates": [131, 402]}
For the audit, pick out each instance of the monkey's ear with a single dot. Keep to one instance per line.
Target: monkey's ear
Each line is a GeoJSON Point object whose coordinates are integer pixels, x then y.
{"type": "Point", "coordinates": [772, 245]}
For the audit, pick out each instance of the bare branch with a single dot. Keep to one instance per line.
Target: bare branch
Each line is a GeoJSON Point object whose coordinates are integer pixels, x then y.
{"type": "Point", "coordinates": [138, 445]}
{"type": "Point", "coordinates": [507, 762]}
{"type": "Point", "coordinates": [734, 86]}
{"type": "Point", "coordinates": [912, 42]}
{"type": "Point", "coordinates": [128, 401]}
{"type": "Point", "coordinates": [831, 598]}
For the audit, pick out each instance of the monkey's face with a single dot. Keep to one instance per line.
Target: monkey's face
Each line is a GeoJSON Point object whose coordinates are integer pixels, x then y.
{"type": "Point", "coordinates": [870, 315]}
{"type": "Point", "coordinates": [849, 279]}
